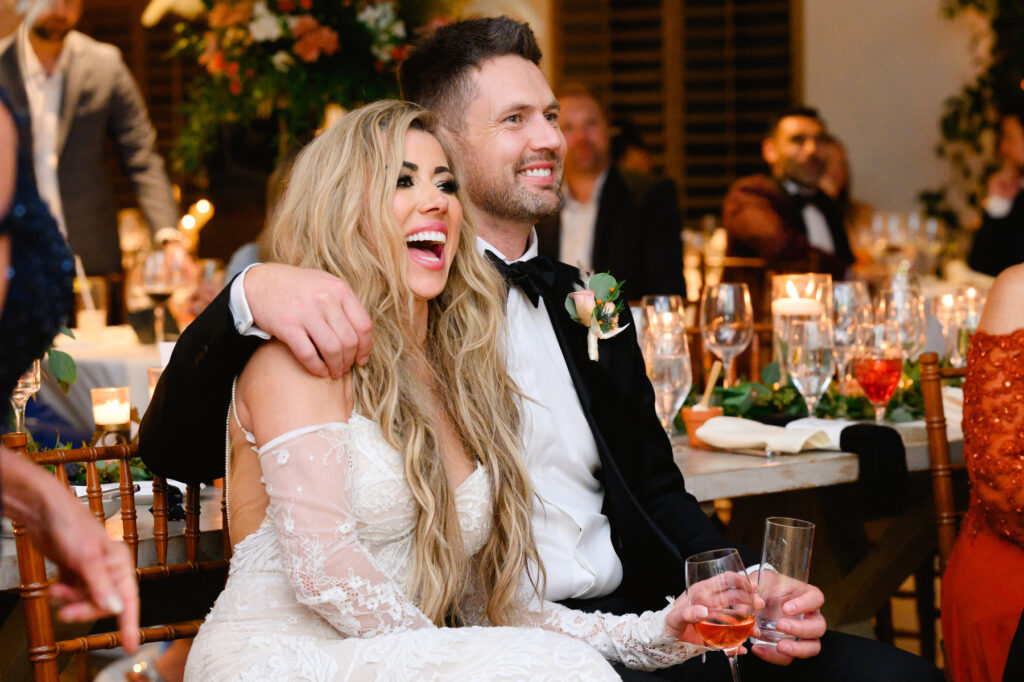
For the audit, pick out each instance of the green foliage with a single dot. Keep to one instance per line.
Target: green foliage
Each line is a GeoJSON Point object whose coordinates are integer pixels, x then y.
{"type": "Point", "coordinates": [970, 119]}
{"type": "Point", "coordinates": [63, 368]}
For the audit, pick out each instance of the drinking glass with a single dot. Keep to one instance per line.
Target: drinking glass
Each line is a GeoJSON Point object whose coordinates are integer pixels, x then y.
{"type": "Point", "coordinates": [879, 366]}
{"type": "Point", "coordinates": [966, 316]}
{"type": "Point", "coordinates": [164, 271]}
{"type": "Point", "coordinates": [784, 569]}
{"type": "Point", "coordinates": [28, 385]}
{"type": "Point", "coordinates": [851, 311]}
{"type": "Point", "coordinates": [717, 580]}
{"type": "Point", "coordinates": [668, 367]}
{"type": "Point", "coordinates": [664, 312]}
{"type": "Point", "coordinates": [902, 309]}
{"type": "Point", "coordinates": [809, 358]}
{"type": "Point", "coordinates": [726, 322]}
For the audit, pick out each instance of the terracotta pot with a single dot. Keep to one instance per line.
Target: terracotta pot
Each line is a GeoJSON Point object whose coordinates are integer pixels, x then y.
{"type": "Point", "coordinates": [693, 418]}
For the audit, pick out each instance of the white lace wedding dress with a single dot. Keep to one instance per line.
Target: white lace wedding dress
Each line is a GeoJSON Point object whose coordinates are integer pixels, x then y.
{"type": "Point", "coordinates": [318, 591]}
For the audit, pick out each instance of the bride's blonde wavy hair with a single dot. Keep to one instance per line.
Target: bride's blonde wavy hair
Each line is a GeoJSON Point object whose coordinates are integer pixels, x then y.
{"type": "Point", "coordinates": [336, 215]}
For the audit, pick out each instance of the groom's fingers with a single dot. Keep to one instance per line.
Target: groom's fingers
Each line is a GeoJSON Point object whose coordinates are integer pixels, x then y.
{"type": "Point", "coordinates": [358, 321]}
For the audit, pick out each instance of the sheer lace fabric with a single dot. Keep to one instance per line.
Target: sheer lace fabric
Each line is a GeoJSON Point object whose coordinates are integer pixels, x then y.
{"type": "Point", "coordinates": [318, 592]}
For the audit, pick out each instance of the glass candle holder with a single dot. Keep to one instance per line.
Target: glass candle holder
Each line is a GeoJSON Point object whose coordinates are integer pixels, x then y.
{"type": "Point", "coordinates": [111, 408]}
{"type": "Point", "coordinates": [804, 297]}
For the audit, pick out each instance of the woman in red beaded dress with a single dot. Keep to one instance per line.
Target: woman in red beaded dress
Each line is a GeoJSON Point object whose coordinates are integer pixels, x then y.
{"type": "Point", "coordinates": [983, 587]}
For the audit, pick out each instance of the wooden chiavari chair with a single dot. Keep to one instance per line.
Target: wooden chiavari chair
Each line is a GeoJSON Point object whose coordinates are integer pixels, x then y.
{"type": "Point", "coordinates": [938, 451]}
{"type": "Point", "coordinates": [44, 648]}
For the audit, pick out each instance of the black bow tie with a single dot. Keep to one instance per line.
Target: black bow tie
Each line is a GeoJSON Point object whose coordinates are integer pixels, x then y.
{"type": "Point", "coordinates": [535, 277]}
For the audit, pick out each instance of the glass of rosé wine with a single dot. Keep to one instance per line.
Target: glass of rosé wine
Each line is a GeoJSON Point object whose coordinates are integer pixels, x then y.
{"type": "Point", "coordinates": [878, 366]}
{"type": "Point", "coordinates": [717, 580]}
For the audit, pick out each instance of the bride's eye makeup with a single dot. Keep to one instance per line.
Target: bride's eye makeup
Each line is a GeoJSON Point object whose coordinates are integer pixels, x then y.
{"type": "Point", "coordinates": [449, 186]}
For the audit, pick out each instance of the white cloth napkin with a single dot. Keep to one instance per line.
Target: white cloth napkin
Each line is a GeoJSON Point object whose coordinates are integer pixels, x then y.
{"type": "Point", "coordinates": [833, 428]}
{"type": "Point", "coordinates": [731, 433]}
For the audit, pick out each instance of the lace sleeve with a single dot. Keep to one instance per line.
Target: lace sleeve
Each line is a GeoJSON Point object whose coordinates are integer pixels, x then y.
{"type": "Point", "coordinates": [637, 641]}
{"type": "Point", "coordinates": [308, 477]}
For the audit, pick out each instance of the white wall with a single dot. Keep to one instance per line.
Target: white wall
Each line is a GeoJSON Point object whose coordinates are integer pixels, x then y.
{"type": "Point", "coordinates": [879, 71]}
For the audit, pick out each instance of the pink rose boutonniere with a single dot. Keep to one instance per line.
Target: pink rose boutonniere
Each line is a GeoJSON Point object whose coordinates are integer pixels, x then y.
{"type": "Point", "coordinates": [596, 306]}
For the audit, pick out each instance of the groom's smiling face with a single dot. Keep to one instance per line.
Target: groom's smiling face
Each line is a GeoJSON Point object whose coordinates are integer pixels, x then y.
{"type": "Point", "coordinates": [510, 148]}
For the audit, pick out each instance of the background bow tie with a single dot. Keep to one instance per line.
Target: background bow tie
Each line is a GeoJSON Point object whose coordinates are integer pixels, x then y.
{"type": "Point", "coordinates": [535, 277]}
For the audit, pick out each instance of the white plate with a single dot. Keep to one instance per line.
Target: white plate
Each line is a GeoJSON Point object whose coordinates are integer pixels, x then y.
{"type": "Point", "coordinates": [144, 495]}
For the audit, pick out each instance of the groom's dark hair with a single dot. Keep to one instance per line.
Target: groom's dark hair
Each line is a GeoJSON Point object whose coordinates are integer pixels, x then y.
{"type": "Point", "coordinates": [436, 74]}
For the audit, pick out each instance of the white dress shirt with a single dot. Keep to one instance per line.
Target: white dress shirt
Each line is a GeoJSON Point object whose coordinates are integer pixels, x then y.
{"type": "Point", "coordinates": [573, 535]}
{"type": "Point", "coordinates": [818, 234]}
{"type": "Point", "coordinates": [579, 222]}
{"type": "Point", "coordinates": [45, 94]}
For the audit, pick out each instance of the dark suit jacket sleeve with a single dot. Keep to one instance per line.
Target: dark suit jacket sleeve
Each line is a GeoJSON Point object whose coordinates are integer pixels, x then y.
{"type": "Point", "coordinates": [657, 481]}
{"type": "Point", "coordinates": [132, 131]}
{"type": "Point", "coordinates": [752, 217]}
{"type": "Point", "coordinates": [663, 247]}
{"type": "Point", "coordinates": [182, 432]}
{"type": "Point", "coordinates": [1000, 241]}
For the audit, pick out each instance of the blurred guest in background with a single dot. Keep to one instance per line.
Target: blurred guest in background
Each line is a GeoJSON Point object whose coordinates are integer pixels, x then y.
{"type": "Point", "coordinates": [1000, 241]}
{"type": "Point", "coordinates": [629, 153]}
{"type": "Point", "coordinates": [617, 220]}
{"type": "Point", "coordinates": [982, 589]}
{"type": "Point", "coordinates": [786, 217]}
{"type": "Point", "coordinates": [78, 92]}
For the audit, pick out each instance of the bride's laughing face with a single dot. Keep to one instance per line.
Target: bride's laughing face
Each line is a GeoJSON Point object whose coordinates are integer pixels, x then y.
{"type": "Point", "coordinates": [428, 213]}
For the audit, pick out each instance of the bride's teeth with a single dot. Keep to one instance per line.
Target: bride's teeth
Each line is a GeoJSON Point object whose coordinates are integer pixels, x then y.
{"type": "Point", "coordinates": [537, 172]}
{"type": "Point", "coordinates": [435, 237]}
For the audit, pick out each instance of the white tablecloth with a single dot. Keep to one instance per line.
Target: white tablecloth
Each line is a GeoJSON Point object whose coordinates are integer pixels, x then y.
{"type": "Point", "coordinates": [116, 360]}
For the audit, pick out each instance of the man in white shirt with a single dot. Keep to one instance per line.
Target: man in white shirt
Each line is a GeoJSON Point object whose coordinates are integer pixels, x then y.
{"type": "Point", "coordinates": [614, 220]}
{"type": "Point", "coordinates": [77, 93]}
{"type": "Point", "coordinates": [613, 520]}
{"type": "Point", "coordinates": [785, 218]}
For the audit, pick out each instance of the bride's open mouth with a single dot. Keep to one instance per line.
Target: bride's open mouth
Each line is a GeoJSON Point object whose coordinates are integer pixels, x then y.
{"type": "Point", "coordinates": [426, 247]}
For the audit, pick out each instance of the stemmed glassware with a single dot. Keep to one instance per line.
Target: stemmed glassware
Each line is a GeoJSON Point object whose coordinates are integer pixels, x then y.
{"type": "Point", "coordinates": [717, 580]}
{"type": "Point", "coordinates": [668, 367]}
{"type": "Point", "coordinates": [851, 312]}
{"type": "Point", "coordinates": [164, 271]}
{"type": "Point", "coordinates": [726, 322]}
{"type": "Point", "coordinates": [28, 385]}
{"type": "Point", "coordinates": [901, 308]}
{"type": "Point", "coordinates": [879, 366]}
{"type": "Point", "coordinates": [809, 358]}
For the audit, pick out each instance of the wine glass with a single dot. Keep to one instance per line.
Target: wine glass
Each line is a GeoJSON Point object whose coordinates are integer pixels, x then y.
{"type": "Point", "coordinates": [879, 366]}
{"type": "Point", "coordinates": [851, 311]}
{"type": "Point", "coordinates": [668, 367]}
{"type": "Point", "coordinates": [966, 316]}
{"type": "Point", "coordinates": [809, 358]}
{"type": "Point", "coordinates": [902, 309]}
{"type": "Point", "coordinates": [717, 580]}
{"type": "Point", "coordinates": [664, 312]}
{"type": "Point", "coordinates": [164, 271]}
{"type": "Point", "coordinates": [726, 322]}
{"type": "Point", "coordinates": [28, 385]}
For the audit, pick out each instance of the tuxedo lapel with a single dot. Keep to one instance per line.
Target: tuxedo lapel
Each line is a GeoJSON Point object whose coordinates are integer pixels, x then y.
{"type": "Point", "coordinates": [10, 77]}
{"type": "Point", "coordinates": [572, 337]}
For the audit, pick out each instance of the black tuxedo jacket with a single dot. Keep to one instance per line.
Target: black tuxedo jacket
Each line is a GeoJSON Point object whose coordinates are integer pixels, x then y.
{"type": "Point", "coordinates": [1000, 241]}
{"type": "Point", "coordinates": [636, 236]}
{"type": "Point", "coordinates": [655, 523]}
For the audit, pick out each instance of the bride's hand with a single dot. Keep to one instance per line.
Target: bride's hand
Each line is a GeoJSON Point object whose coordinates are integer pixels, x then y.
{"type": "Point", "coordinates": [680, 620]}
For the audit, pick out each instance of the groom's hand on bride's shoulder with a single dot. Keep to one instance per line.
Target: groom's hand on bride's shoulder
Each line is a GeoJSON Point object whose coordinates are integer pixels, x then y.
{"type": "Point", "coordinates": [314, 313]}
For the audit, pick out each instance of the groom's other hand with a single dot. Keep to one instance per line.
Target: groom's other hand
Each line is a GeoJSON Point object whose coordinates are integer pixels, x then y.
{"type": "Point", "coordinates": [316, 314]}
{"type": "Point", "coordinates": [808, 630]}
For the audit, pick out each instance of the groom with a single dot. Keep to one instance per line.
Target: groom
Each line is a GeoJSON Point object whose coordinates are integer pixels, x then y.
{"type": "Point", "coordinates": [614, 522]}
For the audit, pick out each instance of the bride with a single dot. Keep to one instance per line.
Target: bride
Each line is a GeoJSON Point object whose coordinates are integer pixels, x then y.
{"type": "Point", "coordinates": [381, 520]}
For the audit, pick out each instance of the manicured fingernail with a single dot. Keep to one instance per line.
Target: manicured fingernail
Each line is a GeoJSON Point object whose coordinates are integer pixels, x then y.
{"type": "Point", "coordinates": [364, 361]}
{"type": "Point", "coordinates": [702, 612]}
{"type": "Point", "coordinates": [789, 609]}
{"type": "Point", "coordinates": [113, 604]}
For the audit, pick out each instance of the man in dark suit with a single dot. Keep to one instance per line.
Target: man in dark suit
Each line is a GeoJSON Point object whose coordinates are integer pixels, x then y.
{"type": "Point", "coordinates": [999, 243]}
{"type": "Point", "coordinates": [623, 222]}
{"type": "Point", "coordinates": [78, 93]}
{"type": "Point", "coordinates": [786, 218]}
{"type": "Point", "coordinates": [620, 522]}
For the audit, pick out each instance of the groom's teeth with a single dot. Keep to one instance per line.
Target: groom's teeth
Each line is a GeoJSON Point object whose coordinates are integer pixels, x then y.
{"type": "Point", "coordinates": [435, 237]}
{"type": "Point", "coordinates": [537, 172]}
